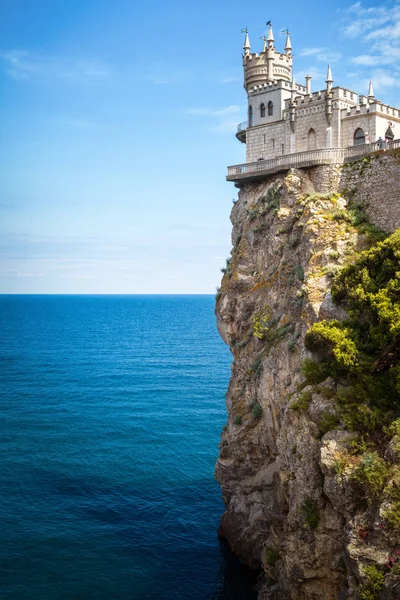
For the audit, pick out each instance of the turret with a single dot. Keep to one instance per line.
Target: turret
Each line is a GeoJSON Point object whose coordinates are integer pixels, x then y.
{"type": "Point", "coordinates": [371, 95]}
{"type": "Point", "coordinates": [308, 85]}
{"type": "Point", "coordinates": [288, 45]}
{"type": "Point", "coordinates": [246, 47]}
{"type": "Point", "coordinates": [329, 80]}
{"type": "Point", "coordinates": [328, 99]}
{"type": "Point", "coordinates": [270, 38]}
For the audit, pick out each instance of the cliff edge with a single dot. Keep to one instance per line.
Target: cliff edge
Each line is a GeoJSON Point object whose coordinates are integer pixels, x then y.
{"type": "Point", "coordinates": [309, 460]}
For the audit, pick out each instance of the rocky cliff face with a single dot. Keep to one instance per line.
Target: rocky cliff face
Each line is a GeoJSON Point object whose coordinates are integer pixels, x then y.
{"type": "Point", "coordinates": [291, 509]}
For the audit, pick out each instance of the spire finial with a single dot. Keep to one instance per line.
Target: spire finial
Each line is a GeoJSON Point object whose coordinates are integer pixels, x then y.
{"type": "Point", "coordinates": [329, 80]}
{"type": "Point", "coordinates": [265, 42]}
{"type": "Point", "coordinates": [288, 45]}
{"type": "Point", "coordinates": [371, 91]}
{"type": "Point", "coordinates": [270, 37]}
{"type": "Point", "coordinates": [246, 46]}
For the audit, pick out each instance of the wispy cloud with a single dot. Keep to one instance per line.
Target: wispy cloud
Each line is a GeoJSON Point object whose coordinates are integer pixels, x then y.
{"type": "Point", "coordinates": [322, 54]}
{"type": "Point", "coordinates": [27, 66]}
{"type": "Point", "coordinates": [364, 20]}
{"type": "Point", "coordinates": [379, 26]}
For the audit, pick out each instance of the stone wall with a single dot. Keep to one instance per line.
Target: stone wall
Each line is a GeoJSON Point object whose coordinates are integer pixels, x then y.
{"type": "Point", "coordinates": [374, 182]}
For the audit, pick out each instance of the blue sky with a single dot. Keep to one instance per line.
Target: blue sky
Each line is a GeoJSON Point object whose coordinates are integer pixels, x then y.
{"type": "Point", "coordinates": [118, 121]}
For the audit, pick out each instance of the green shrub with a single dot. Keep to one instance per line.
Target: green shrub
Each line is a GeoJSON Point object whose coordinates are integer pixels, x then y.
{"type": "Point", "coordinates": [334, 337]}
{"type": "Point", "coordinates": [392, 516]}
{"type": "Point", "coordinates": [271, 556]}
{"type": "Point", "coordinates": [237, 420]}
{"type": "Point", "coordinates": [257, 411]}
{"type": "Point", "coordinates": [371, 473]}
{"type": "Point", "coordinates": [303, 402]}
{"type": "Point", "coordinates": [315, 372]}
{"type": "Point", "coordinates": [299, 272]}
{"type": "Point", "coordinates": [256, 366]}
{"type": "Point", "coordinates": [327, 422]}
{"type": "Point", "coordinates": [373, 583]}
{"type": "Point", "coordinates": [363, 352]}
{"type": "Point", "coordinates": [310, 513]}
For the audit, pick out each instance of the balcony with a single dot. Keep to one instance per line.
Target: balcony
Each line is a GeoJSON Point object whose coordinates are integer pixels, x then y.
{"type": "Point", "coordinates": [241, 131]}
{"type": "Point", "coordinates": [328, 156]}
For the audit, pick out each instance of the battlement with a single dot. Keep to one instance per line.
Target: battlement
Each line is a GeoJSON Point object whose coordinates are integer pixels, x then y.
{"type": "Point", "coordinates": [271, 85]}
{"type": "Point", "coordinates": [375, 107]}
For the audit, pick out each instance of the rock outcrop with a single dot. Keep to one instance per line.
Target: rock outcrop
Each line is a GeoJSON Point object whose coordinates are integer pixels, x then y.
{"type": "Point", "coordinates": [291, 511]}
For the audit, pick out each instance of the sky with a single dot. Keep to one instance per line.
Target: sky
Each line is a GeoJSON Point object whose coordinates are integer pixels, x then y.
{"type": "Point", "coordinates": [117, 123]}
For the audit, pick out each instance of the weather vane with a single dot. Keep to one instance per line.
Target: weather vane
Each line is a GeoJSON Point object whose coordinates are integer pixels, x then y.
{"type": "Point", "coordinates": [269, 23]}
{"type": "Point", "coordinates": [286, 31]}
{"type": "Point", "coordinates": [245, 30]}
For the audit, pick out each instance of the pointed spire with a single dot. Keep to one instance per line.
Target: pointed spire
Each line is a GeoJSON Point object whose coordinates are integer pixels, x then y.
{"type": "Point", "coordinates": [288, 45]}
{"type": "Point", "coordinates": [265, 42]}
{"type": "Point", "coordinates": [329, 80]}
{"type": "Point", "coordinates": [246, 47]}
{"type": "Point", "coordinates": [371, 91]}
{"type": "Point", "coordinates": [270, 37]}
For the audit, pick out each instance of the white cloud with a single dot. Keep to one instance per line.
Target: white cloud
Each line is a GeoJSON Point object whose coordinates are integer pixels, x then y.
{"type": "Point", "coordinates": [378, 29]}
{"type": "Point", "coordinates": [363, 20]}
{"type": "Point", "coordinates": [322, 54]}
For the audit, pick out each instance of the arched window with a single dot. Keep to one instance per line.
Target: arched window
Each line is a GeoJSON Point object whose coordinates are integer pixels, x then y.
{"type": "Point", "coordinates": [359, 137]}
{"type": "Point", "coordinates": [250, 116]}
{"type": "Point", "coordinates": [270, 108]}
{"type": "Point", "coordinates": [262, 110]}
{"type": "Point", "coordinates": [311, 140]}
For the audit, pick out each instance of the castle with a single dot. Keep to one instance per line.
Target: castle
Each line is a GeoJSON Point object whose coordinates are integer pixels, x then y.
{"type": "Point", "coordinates": [291, 126]}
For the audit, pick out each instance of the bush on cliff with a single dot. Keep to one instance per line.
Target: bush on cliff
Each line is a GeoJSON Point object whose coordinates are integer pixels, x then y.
{"type": "Point", "coordinates": [363, 352]}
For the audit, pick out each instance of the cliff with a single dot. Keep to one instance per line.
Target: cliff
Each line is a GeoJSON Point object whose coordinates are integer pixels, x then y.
{"type": "Point", "coordinates": [309, 459]}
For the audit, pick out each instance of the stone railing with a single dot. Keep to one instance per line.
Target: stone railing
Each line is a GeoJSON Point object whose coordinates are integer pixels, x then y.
{"type": "Point", "coordinates": [309, 158]}
{"type": "Point", "coordinates": [289, 161]}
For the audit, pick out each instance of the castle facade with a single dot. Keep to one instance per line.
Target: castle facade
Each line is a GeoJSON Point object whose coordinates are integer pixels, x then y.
{"type": "Point", "coordinates": [285, 117]}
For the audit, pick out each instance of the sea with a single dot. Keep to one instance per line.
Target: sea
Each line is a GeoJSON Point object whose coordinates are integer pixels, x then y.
{"type": "Point", "coordinates": [111, 410]}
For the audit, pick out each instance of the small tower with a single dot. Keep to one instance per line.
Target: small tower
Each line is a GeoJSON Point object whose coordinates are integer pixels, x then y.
{"type": "Point", "coordinates": [371, 95]}
{"type": "Point", "coordinates": [329, 80]}
{"type": "Point", "coordinates": [246, 47]}
{"type": "Point", "coordinates": [308, 85]}
{"type": "Point", "coordinates": [288, 45]}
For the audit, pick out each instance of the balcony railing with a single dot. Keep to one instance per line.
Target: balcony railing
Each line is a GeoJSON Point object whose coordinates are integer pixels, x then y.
{"type": "Point", "coordinates": [243, 126]}
{"type": "Point", "coordinates": [308, 158]}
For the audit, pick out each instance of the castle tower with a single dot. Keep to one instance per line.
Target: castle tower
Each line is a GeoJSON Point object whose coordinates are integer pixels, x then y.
{"type": "Point", "coordinates": [269, 65]}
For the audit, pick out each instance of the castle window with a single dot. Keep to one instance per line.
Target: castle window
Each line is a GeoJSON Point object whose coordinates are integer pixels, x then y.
{"type": "Point", "coordinates": [250, 116]}
{"type": "Point", "coordinates": [311, 140]}
{"type": "Point", "coordinates": [262, 110]}
{"type": "Point", "coordinates": [270, 108]}
{"type": "Point", "coordinates": [359, 137]}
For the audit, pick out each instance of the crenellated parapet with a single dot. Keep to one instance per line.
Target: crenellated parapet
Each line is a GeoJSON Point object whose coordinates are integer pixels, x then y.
{"type": "Point", "coordinates": [267, 66]}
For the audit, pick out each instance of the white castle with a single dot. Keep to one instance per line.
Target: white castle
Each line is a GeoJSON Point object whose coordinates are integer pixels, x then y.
{"type": "Point", "coordinates": [291, 126]}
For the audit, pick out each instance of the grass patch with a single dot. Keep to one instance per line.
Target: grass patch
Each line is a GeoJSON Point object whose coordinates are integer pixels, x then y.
{"type": "Point", "coordinates": [310, 513]}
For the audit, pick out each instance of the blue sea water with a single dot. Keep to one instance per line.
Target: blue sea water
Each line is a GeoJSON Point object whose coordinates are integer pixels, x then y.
{"type": "Point", "coordinates": [111, 409]}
